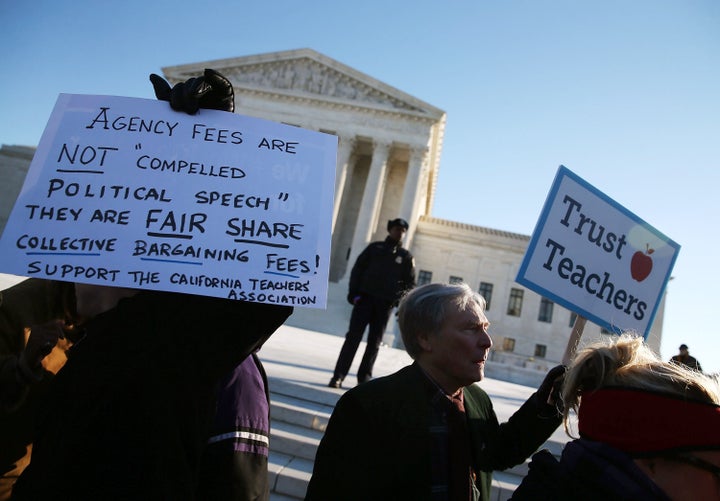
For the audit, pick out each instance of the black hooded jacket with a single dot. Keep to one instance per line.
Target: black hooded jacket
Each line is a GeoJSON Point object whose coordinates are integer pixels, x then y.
{"type": "Point", "coordinates": [384, 270]}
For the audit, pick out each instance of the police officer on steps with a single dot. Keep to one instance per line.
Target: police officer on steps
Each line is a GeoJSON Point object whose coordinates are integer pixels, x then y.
{"type": "Point", "coordinates": [382, 273]}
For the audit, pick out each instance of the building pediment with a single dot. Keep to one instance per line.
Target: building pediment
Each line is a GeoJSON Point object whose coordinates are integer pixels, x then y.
{"type": "Point", "coordinates": [305, 73]}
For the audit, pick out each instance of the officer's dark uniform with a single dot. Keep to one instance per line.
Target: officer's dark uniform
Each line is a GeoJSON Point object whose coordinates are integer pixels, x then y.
{"type": "Point", "coordinates": [380, 276]}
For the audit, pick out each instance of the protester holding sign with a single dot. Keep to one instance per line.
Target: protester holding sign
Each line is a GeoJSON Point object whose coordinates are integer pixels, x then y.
{"type": "Point", "coordinates": [427, 432]}
{"type": "Point", "coordinates": [649, 430]}
{"type": "Point", "coordinates": [128, 416]}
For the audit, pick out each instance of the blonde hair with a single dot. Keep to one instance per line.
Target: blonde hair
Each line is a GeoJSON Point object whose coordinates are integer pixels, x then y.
{"type": "Point", "coordinates": [627, 362]}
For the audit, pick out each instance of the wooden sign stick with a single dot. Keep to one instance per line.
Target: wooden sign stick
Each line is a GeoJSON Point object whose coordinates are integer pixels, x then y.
{"type": "Point", "coordinates": [574, 340]}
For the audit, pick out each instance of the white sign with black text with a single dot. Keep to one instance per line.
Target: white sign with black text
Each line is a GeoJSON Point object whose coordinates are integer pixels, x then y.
{"type": "Point", "coordinates": [127, 192]}
{"type": "Point", "coordinates": [593, 256]}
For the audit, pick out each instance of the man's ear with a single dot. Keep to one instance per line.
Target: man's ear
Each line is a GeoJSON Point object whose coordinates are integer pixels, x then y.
{"type": "Point", "coordinates": [425, 341]}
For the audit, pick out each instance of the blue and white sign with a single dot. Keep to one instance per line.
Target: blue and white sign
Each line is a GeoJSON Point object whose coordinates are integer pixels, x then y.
{"type": "Point", "coordinates": [593, 256]}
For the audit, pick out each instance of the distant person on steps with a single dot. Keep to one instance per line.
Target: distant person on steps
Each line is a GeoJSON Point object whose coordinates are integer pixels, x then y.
{"type": "Point", "coordinates": [686, 359]}
{"type": "Point", "coordinates": [382, 273]}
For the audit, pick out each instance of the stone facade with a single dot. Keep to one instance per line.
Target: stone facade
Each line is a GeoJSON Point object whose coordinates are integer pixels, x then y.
{"type": "Point", "coordinates": [389, 142]}
{"type": "Point", "coordinates": [388, 163]}
{"type": "Point", "coordinates": [530, 332]}
{"type": "Point", "coordinates": [14, 163]}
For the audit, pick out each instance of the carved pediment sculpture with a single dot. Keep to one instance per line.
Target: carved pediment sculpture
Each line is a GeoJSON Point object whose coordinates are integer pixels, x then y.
{"type": "Point", "coordinates": [306, 72]}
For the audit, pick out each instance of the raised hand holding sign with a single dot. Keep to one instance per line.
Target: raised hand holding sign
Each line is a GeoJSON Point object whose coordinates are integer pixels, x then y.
{"type": "Point", "coordinates": [211, 91]}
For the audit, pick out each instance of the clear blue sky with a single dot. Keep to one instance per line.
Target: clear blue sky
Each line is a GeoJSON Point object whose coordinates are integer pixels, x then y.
{"type": "Point", "coordinates": [624, 93]}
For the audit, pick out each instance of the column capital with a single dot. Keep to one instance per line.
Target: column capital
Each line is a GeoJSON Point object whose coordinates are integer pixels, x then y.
{"type": "Point", "coordinates": [380, 145]}
{"type": "Point", "coordinates": [346, 145]}
{"type": "Point", "coordinates": [346, 141]}
{"type": "Point", "coordinates": [418, 153]}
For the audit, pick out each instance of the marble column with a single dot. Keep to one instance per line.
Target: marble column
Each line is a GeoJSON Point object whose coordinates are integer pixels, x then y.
{"type": "Point", "coordinates": [371, 200]}
{"type": "Point", "coordinates": [346, 148]}
{"type": "Point", "coordinates": [410, 198]}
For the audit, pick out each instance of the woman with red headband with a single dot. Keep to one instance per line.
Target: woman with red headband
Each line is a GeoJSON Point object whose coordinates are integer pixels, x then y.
{"type": "Point", "coordinates": [649, 430]}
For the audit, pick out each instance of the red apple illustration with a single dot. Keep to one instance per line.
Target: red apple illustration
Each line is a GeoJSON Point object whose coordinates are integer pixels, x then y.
{"type": "Point", "coordinates": [641, 264]}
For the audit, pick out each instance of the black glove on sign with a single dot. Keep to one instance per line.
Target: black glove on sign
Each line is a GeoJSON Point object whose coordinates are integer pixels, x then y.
{"type": "Point", "coordinates": [551, 387]}
{"type": "Point", "coordinates": [211, 91]}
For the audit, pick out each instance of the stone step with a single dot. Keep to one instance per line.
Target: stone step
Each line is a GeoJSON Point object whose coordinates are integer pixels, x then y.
{"type": "Point", "coordinates": [503, 485]}
{"type": "Point", "coordinates": [299, 412]}
{"type": "Point", "coordinates": [294, 440]}
{"type": "Point", "coordinates": [306, 391]}
{"type": "Point", "coordinates": [288, 476]}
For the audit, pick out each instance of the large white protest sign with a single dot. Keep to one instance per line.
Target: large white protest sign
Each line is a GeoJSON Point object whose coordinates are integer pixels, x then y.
{"type": "Point", "coordinates": [127, 192]}
{"type": "Point", "coordinates": [595, 257]}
